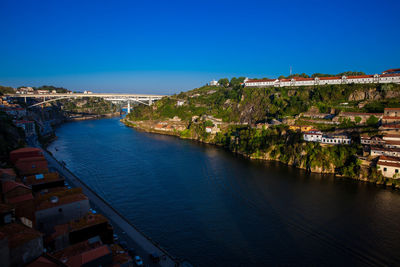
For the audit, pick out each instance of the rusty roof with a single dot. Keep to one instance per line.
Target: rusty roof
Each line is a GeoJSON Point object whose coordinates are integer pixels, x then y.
{"type": "Point", "coordinates": [19, 234]}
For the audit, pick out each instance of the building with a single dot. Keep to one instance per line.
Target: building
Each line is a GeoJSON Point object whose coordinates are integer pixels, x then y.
{"type": "Point", "coordinates": [383, 151]}
{"type": "Point", "coordinates": [60, 208]}
{"type": "Point", "coordinates": [214, 83]}
{"type": "Point", "coordinates": [26, 152]}
{"type": "Point", "coordinates": [336, 139]}
{"type": "Point", "coordinates": [42, 181]}
{"type": "Point", "coordinates": [180, 103]}
{"type": "Point", "coordinates": [385, 77]}
{"type": "Point", "coordinates": [391, 116]}
{"type": "Point", "coordinates": [7, 174]}
{"type": "Point", "coordinates": [313, 136]}
{"type": "Point", "coordinates": [31, 166]}
{"type": "Point", "coordinates": [389, 166]}
{"type": "Point", "coordinates": [86, 254]}
{"type": "Point", "coordinates": [7, 214]}
{"type": "Point", "coordinates": [374, 140]}
{"type": "Point", "coordinates": [24, 244]}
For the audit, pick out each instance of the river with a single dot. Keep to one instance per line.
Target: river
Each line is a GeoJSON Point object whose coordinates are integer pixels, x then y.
{"type": "Point", "coordinates": [214, 208]}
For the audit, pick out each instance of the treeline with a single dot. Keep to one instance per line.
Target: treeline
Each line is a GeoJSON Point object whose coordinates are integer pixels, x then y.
{"type": "Point", "coordinates": [50, 88]}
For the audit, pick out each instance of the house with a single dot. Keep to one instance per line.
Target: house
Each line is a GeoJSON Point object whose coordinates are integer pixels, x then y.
{"type": "Point", "coordinates": [209, 129]}
{"type": "Point", "coordinates": [26, 152]}
{"type": "Point", "coordinates": [60, 208]}
{"type": "Point", "coordinates": [180, 103]}
{"type": "Point", "coordinates": [31, 166]}
{"type": "Point", "coordinates": [374, 140]}
{"type": "Point", "coordinates": [379, 151]}
{"type": "Point", "coordinates": [389, 166]}
{"type": "Point", "coordinates": [214, 83]}
{"type": "Point", "coordinates": [391, 116]}
{"type": "Point", "coordinates": [13, 192]}
{"type": "Point", "coordinates": [42, 181]}
{"type": "Point", "coordinates": [336, 139]}
{"type": "Point", "coordinates": [24, 244]}
{"type": "Point", "coordinates": [89, 226]}
{"type": "Point", "coordinates": [313, 136]}
{"type": "Point", "coordinates": [85, 254]}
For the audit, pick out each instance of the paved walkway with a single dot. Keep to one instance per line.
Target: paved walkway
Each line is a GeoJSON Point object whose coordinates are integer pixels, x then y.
{"type": "Point", "coordinates": [128, 233]}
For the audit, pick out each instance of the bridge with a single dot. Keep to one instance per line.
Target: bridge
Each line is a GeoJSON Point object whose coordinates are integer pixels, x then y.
{"type": "Point", "coordinates": [115, 98]}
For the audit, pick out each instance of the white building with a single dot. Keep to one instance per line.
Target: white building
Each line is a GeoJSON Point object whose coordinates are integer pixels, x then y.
{"type": "Point", "coordinates": [214, 83]}
{"type": "Point", "coordinates": [317, 136]}
{"type": "Point", "coordinates": [313, 136]}
{"type": "Point", "coordinates": [336, 139]}
{"type": "Point", "coordinates": [389, 166]}
{"type": "Point", "coordinates": [389, 76]}
{"type": "Point", "coordinates": [384, 151]}
{"type": "Point", "coordinates": [180, 103]}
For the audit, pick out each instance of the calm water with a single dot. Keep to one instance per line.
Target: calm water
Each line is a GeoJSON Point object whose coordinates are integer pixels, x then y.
{"type": "Point", "coordinates": [217, 209]}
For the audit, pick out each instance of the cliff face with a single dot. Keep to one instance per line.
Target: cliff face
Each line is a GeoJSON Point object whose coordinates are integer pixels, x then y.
{"type": "Point", "coordinates": [385, 91]}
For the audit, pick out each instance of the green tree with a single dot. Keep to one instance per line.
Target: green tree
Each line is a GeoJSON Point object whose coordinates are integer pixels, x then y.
{"type": "Point", "coordinates": [357, 119]}
{"type": "Point", "coordinates": [224, 82]}
{"type": "Point", "coordinates": [372, 121]}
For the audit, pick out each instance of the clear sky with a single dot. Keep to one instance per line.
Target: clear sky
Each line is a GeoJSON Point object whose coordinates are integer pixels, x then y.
{"type": "Point", "coordinates": [171, 46]}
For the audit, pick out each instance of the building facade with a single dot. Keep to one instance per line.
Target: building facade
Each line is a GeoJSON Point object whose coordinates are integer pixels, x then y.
{"type": "Point", "coordinates": [388, 76]}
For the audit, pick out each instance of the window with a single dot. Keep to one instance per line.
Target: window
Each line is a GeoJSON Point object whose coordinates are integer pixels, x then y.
{"type": "Point", "coordinates": [384, 169]}
{"type": "Point", "coordinates": [396, 171]}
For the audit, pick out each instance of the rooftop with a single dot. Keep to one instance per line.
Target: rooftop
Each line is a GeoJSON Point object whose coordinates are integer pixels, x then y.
{"type": "Point", "coordinates": [86, 221]}
{"type": "Point", "coordinates": [389, 164]}
{"type": "Point", "coordinates": [10, 185]}
{"type": "Point", "coordinates": [42, 178]}
{"type": "Point", "coordinates": [19, 234]}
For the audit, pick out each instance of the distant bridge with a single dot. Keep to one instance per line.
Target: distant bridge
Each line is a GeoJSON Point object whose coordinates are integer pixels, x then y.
{"type": "Point", "coordinates": [115, 98]}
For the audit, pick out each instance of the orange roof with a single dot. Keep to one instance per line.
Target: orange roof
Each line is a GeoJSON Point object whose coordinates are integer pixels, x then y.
{"type": "Point", "coordinates": [10, 185]}
{"type": "Point", "coordinates": [388, 158]}
{"type": "Point", "coordinates": [43, 262]}
{"type": "Point", "coordinates": [19, 199]}
{"type": "Point", "coordinates": [391, 70]}
{"type": "Point", "coordinates": [330, 78]}
{"type": "Point", "coordinates": [360, 114]}
{"type": "Point", "coordinates": [47, 177]}
{"type": "Point", "coordinates": [47, 204]}
{"type": "Point", "coordinates": [19, 234]}
{"type": "Point", "coordinates": [392, 135]}
{"type": "Point", "coordinates": [392, 142]}
{"type": "Point", "coordinates": [360, 76]}
{"type": "Point", "coordinates": [261, 80]}
{"type": "Point", "coordinates": [386, 149]}
{"type": "Point", "coordinates": [93, 254]}
{"type": "Point", "coordinates": [390, 164]}
{"type": "Point", "coordinates": [398, 109]}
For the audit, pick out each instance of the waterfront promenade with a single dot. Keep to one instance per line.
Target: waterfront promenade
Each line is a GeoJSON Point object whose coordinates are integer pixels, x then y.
{"type": "Point", "coordinates": [128, 233]}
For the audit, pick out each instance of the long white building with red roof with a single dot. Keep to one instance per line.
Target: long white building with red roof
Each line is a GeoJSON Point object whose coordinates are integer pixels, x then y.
{"type": "Point", "coordinates": [388, 76]}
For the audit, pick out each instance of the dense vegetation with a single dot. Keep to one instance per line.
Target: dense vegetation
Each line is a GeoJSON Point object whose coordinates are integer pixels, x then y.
{"type": "Point", "coordinates": [89, 105]}
{"type": "Point", "coordinates": [50, 88]}
{"type": "Point", "coordinates": [252, 105]}
{"type": "Point", "coordinates": [6, 90]}
{"type": "Point", "coordinates": [242, 107]}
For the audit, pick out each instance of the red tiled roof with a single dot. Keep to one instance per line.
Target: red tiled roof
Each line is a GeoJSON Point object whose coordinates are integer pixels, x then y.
{"type": "Point", "coordinates": [390, 75]}
{"type": "Point", "coordinates": [10, 185]}
{"type": "Point", "coordinates": [93, 254]}
{"type": "Point", "coordinates": [390, 164]}
{"type": "Point", "coordinates": [386, 149]}
{"type": "Point", "coordinates": [330, 78]}
{"type": "Point", "coordinates": [42, 262]}
{"type": "Point", "coordinates": [392, 70]}
{"type": "Point", "coordinates": [360, 76]}
{"type": "Point", "coordinates": [19, 199]}
{"type": "Point", "coordinates": [392, 109]}
{"type": "Point", "coordinates": [392, 135]}
{"type": "Point", "coordinates": [390, 118]}
{"type": "Point", "coordinates": [392, 142]}
{"type": "Point", "coordinates": [19, 234]}
{"type": "Point", "coordinates": [388, 158]}
{"type": "Point", "coordinates": [62, 200]}
{"type": "Point", "coordinates": [261, 80]}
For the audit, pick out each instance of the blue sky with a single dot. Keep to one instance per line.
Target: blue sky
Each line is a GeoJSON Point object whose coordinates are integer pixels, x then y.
{"type": "Point", "coordinates": [172, 46]}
